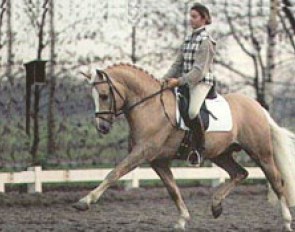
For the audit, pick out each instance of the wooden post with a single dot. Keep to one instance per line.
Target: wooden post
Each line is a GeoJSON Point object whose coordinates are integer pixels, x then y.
{"type": "Point", "coordinates": [35, 187]}
{"type": "Point", "coordinates": [35, 74]}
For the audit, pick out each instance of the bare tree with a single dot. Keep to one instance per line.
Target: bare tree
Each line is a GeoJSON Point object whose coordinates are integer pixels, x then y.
{"type": "Point", "coordinates": [3, 6]}
{"type": "Point", "coordinates": [272, 30]}
{"type": "Point", "coordinates": [286, 29]}
{"type": "Point", "coordinates": [152, 29]}
{"type": "Point", "coordinates": [9, 62]}
{"type": "Point", "coordinates": [289, 14]}
{"type": "Point", "coordinates": [32, 10]}
{"type": "Point", "coordinates": [7, 42]}
{"type": "Point", "coordinates": [251, 46]}
{"type": "Point", "coordinates": [251, 37]}
{"type": "Point", "coordinates": [52, 84]}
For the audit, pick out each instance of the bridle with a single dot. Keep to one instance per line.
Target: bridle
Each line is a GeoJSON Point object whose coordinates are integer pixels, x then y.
{"type": "Point", "coordinates": [113, 104]}
{"type": "Point", "coordinates": [125, 109]}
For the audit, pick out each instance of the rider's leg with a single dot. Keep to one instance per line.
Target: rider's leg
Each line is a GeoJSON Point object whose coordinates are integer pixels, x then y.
{"type": "Point", "coordinates": [197, 97]}
{"type": "Point", "coordinates": [198, 140]}
{"type": "Point", "coordinates": [198, 94]}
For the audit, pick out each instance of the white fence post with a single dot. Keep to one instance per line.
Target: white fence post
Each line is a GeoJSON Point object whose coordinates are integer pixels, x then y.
{"type": "Point", "coordinates": [36, 186]}
{"type": "Point", "coordinates": [220, 180]}
{"type": "Point", "coordinates": [2, 186]}
{"type": "Point", "coordinates": [135, 180]}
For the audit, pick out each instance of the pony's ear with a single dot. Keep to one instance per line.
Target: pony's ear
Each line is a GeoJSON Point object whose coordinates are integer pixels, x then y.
{"type": "Point", "coordinates": [88, 77]}
{"type": "Point", "coordinates": [99, 74]}
{"type": "Point", "coordinates": [84, 70]}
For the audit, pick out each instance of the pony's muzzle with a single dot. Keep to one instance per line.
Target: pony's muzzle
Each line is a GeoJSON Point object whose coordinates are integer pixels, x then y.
{"type": "Point", "coordinates": [103, 128]}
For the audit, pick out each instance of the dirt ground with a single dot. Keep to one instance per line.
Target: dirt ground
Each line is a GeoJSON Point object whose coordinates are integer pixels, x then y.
{"type": "Point", "coordinates": [143, 209]}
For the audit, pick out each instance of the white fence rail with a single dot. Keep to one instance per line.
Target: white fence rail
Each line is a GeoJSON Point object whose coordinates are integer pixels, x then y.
{"type": "Point", "coordinates": [35, 176]}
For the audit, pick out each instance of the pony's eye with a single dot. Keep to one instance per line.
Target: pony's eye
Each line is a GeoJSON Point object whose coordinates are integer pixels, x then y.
{"type": "Point", "coordinates": [103, 97]}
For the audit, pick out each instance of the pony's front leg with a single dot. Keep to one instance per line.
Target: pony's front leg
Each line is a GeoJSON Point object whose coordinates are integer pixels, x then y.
{"type": "Point", "coordinates": [163, 169]}
{"type": "Point", "coordinates": [134, 159]}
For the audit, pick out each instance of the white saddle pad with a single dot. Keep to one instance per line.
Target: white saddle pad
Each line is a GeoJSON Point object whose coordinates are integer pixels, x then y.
{"type": "Point", "coordinates": [219, 107]}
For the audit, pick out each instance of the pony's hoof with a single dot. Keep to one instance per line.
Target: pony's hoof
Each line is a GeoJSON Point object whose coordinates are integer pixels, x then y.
{"type": "Point", "coordinates": [81, 206]}
{"type": "Point", "coordinates": [216, 210]}
{"type": "Point", "coordinates": [178, 227]}
{"type": "Point", "coordinates": [287, 228]}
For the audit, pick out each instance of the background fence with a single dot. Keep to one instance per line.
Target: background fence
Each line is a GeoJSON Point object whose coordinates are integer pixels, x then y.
{"type": "Point", "coordinates": [35, 176]}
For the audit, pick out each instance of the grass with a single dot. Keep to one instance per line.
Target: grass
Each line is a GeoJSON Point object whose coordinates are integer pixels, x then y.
{"type": "Point", "coordinates": [76, 142]}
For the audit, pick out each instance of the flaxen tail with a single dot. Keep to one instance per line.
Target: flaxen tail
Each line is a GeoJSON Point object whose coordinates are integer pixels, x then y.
{"type": "Point", "coordinates": [284, 155]}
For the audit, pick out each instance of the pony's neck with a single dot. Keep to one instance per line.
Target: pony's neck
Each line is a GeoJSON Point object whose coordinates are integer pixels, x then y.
{"type": "Point", "coordinates": [137, 83]}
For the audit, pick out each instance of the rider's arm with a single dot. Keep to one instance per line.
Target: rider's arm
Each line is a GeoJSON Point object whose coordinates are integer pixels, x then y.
{"type": "Point", "coordinates": [176, 68]}
{"type": "Point", "coordinates": [203, 60]}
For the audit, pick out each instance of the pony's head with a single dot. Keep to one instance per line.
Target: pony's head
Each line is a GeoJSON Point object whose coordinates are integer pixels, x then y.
{"type": "Point", "coordinates": [108, 99]}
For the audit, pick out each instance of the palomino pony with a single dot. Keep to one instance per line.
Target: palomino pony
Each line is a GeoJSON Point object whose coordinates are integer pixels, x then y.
{"type": "Point", "coordinates": [151, 116]}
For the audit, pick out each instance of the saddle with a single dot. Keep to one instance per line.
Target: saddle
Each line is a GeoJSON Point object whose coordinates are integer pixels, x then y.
{"type": "Point", "coordinates": [184, 100]}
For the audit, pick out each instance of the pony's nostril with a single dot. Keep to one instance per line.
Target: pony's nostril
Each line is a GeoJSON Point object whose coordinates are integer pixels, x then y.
{"type": "Point", "coordinates": [103, 128]}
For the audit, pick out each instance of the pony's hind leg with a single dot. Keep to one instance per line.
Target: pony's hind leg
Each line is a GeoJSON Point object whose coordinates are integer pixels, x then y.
{"type": "Point", "coordinates": [236, 172]}
{"type": "Point", "coordinates": [274, 177]}
{"type": "Point", "coordinates": [162, 168]}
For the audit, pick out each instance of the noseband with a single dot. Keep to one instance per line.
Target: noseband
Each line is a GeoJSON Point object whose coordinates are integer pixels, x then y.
{"type": "Point", "coordinates": [125, 109]}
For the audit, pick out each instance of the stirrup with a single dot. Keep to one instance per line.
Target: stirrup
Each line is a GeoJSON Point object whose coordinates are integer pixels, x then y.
{"type": "Point", "coordinates": [199, 159]}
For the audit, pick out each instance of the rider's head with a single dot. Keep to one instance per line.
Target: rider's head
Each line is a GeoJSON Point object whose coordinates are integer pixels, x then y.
{"type": "Point", "coordinates": [199, 16]}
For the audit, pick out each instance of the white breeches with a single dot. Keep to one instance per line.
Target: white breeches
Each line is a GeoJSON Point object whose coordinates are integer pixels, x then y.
{"type": "Point", "coordinates": [198, 94]}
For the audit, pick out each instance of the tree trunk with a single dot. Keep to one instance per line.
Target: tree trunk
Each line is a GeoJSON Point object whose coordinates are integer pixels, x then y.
{"type": "Point", "coordinates": [270, 67]}
{"type": "Point", "coordinates": [8, 72]}
{"type": "Point", "coordinates": [133, 45]}
{"type": "Point", "coordinates": [185, 22]}
{"type": "Point", "coordinates": [2, 13]}
{"type": "Point", "coordinates": [37, 90]}
{"type": "Point", "coordinates": [51, 120]}
{"type": "Point", "coordinates": [288, 11]}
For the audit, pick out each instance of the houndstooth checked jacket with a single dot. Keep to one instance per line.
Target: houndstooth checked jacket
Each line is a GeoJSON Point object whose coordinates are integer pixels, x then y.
{"type": "Point", "coordinates": [194, 59]}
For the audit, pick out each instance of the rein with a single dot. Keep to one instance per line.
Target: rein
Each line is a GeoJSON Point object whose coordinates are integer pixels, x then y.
{"type": "Point", "coordinates": [126, 109]}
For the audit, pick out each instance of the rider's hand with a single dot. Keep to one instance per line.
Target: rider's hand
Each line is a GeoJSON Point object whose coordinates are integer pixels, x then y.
{"type": "Point", "coordinates": [172, 83]}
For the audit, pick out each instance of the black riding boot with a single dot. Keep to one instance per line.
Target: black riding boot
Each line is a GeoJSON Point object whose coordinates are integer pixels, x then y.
{"type": "Point", "coordinates": [197, 142]}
